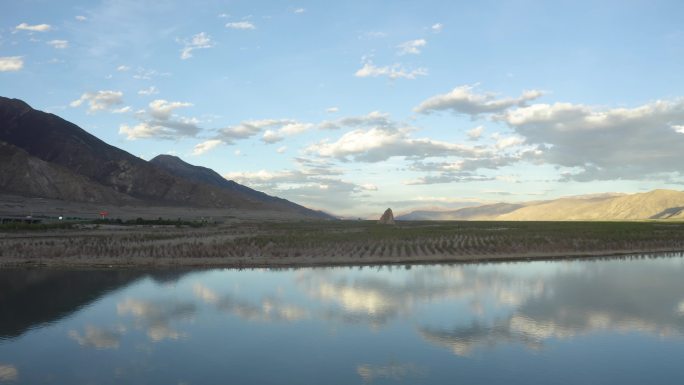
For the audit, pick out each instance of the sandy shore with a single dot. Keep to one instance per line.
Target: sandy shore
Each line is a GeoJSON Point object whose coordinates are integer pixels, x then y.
{"type": "Point", "coordinates": [299, 244]}
{"type": "Point", "coordinates": [307, 261]}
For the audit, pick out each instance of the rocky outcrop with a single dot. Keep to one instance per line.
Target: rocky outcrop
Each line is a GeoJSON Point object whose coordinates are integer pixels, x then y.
{"type": "Point", "coordinates": [26, 175]}
{"type": "Point", "coordinates": [387, 218]}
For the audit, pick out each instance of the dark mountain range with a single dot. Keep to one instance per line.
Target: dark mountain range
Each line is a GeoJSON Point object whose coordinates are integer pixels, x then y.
{"type": "Point", "coordinates": [23, 174]}
{"type": "Point", "coordinates": [54, 158]}
{"type": "Point", "coordinates": [176, 166]}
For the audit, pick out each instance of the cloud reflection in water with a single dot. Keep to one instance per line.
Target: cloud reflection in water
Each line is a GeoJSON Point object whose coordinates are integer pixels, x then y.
{"type": "Point", "coordinates": [8, 373]}
{"type": "Point", "coordinates": [603, 296]}
{"type": "Point", "coordinates": [98, 338]}
{"type": "Point", "coordinates": [391, 371]}
{"type": "Point", "coordinates": [269, 308]}
{"type": "Point", "coordinates": [156, 316]}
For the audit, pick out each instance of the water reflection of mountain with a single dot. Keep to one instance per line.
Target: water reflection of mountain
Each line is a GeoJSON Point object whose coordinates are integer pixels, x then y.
{"type": "Point", "coordinates": [30, 298]}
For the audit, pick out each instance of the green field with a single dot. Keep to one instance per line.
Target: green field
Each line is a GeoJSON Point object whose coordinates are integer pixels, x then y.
{"type": "Point", "coordinates": [336, 242]}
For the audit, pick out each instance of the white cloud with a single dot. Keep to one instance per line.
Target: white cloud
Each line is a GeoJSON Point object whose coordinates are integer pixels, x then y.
{"type": "Point", "coordinates": [332, 110]}
{"type": "Point", "coordinates": [223, 15]}
{"type": "Point", "coordinates": [122, 110]}
{"type": "Point", "coordinates": [448, 177]}
{"type": "Point", "coordinates": [395, 71]}
{"type": "Point", "coordinates": [376, 137]}
{"type": "Point", "coordinates": [146, 73]}
{"type": "Point", "coordinates": [80, 18]}
{"type": "Point", "coordinates": [281, 149]}
{"type": "Point", "coordinates": [123, 68]}
{"type": "Point", "coordinates": [437, 27]}
{"type": "Point", "coordinates": [287, 129]}
{"type": "Point", "coordinates": [463, 169]}
{"type": "Point", "coordinates": [58, 44]}
{"type": "Point", "coordinates": [305, 186]}
{"type": "Point", "coordinates": [199, 41]}
{"type": "Point", "coordinates": [299, 10]}
{"type": "Point", "coordinates": [99, 101]}
{"type": "Point", "coordinates": [11, 63]}
{"type": "Point", "coordinates": [294, 128]}
{"type": "Point", "coordinates": [618, 143]}
{"type": "Point", "coordinates": [33, 28]}
{"type": "Point", "coordinates": [412, 47]}
{"type": "Point", "coordinates": [275, 130]}
{"type": "Point", "coordinates": [162, 109]}
{"type": "Point", "coordinates": [463, 100]}
{"type": "Point", "coordinates": [262, 177]}
{"type": "Point", "coordinates": [245, 129]}
{"type": "Point", "coordinates": [205, 146]}
{"type": "Point", "coordinates": [139, 131]}
{"type": "Point", "coordinates": [374, 118]}
{"type": "Point", "coordinates": [242, 25]}
{"type": "Point", "coordinates": [161, 129]}
{"type": "Point", "coordinates": [475, 133]}
{"type": "Point", "coordinates": [503, 142]}
{"type": "Point", "coordinates": [159, 122]}
{"type": "Point", "coordinates": [379, 144]}
{"type": "Point", "coordinates": [271, 136]}
{"type": "Point", "coordinates": [151, 90]}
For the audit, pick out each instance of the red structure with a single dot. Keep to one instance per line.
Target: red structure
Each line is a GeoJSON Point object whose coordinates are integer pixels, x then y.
{"type": "Point", "coordinates": [103, 214]}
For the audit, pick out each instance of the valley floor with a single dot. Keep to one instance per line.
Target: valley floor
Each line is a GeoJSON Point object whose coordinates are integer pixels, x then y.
{"type": "Point", "coordinates": [312, 243]}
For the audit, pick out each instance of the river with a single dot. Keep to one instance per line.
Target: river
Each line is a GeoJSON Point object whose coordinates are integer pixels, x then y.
{"type": "Point", "coordinates": [617, 321]}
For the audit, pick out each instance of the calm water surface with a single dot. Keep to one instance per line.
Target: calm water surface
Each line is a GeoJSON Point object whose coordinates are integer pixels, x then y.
{"type": "Point", "coordinates": [568, 322]}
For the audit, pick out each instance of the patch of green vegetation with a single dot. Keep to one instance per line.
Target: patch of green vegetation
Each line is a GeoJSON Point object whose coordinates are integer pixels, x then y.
{"type": "Point", "coordinates": [22, 226]}
{"type": "Point", "coordinates": [150, 222]}
{"type": "Point", "coordinates": [298, 234]}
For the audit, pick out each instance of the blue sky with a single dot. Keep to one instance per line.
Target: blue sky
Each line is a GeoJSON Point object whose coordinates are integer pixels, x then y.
{"type": "Point", "coordinates": [356, 106]}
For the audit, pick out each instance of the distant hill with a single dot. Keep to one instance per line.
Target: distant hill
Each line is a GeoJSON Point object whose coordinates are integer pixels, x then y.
{"type": "Point", "coordinates": [657, 204]}
{"type": "Point", "coordinates": [484, 212]}
{"type": "Point", "coordinates": [60, 160]}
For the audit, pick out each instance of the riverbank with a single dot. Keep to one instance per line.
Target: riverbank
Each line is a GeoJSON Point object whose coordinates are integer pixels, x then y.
{"type": "Point", "coordinates": [299, 244]}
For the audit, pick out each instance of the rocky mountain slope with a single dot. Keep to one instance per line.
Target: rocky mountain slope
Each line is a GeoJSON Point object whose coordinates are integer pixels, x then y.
{"type": "Point", "coordinates": [23, 174]}
{"type": "Point", "coordinates": [57, 154]}
{"type": "Point", "coordinates": [657, 204]}
{"type": "Point", "coordinates": [176, 166]}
